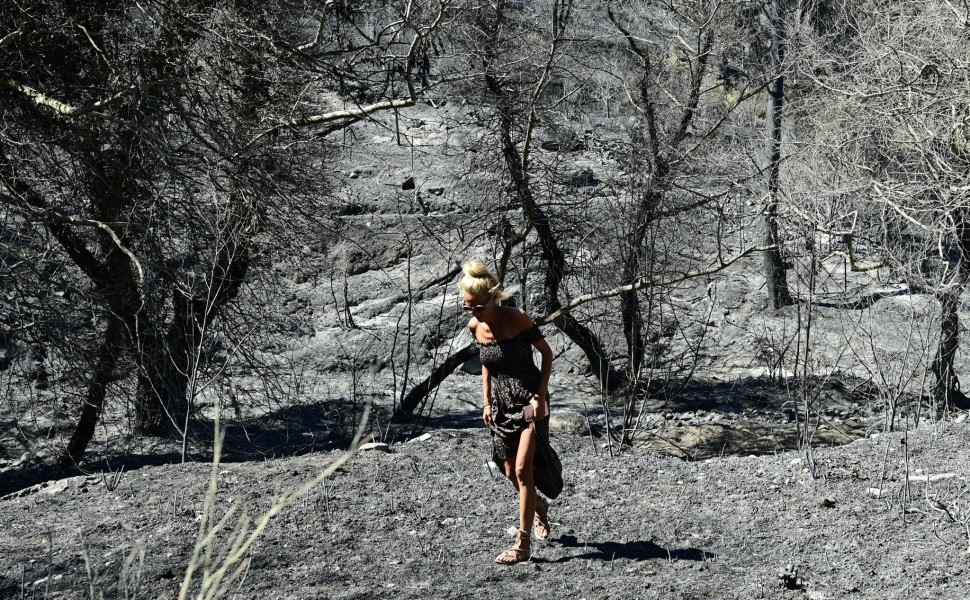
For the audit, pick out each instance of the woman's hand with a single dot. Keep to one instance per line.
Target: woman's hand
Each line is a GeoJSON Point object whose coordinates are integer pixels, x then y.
{"type": "Point", "coordinates": [487, 414]}
{"type": "Point", "coordinates": [540, 404]}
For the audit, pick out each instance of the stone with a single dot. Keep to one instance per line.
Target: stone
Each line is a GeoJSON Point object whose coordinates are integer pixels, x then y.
{"type": "Point", "coordinates": [375, 446]}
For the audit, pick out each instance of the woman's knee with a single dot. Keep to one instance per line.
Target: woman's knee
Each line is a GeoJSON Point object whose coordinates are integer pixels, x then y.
{"type": "Point", "coordinates": [523, 474]}
{"type": "Point", "coordinates": [509, 467]}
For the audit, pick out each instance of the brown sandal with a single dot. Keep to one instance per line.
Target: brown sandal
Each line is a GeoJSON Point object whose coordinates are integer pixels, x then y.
{"type": "Point", "coordinates": [541, 526]}
{"type": "Point", "coordinates": [519, 552]}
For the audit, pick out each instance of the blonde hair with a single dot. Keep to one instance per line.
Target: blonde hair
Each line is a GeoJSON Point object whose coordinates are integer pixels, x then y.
{"type": "Point", "coordinates": [478, 280]}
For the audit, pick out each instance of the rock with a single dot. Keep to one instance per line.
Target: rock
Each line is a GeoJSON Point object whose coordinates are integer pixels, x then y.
{"type": "Point", "coordinates": [789, 577]}
{"type": "Point", "coordinates": [408, 184]}
{"type": "Point", "coordinates": [351, 209]}
{"type": "Point", "coordinates": [375, 446]}
{"type": "Point", "coordinates": [827, 503]}
{"type": "Point", "coordinates": [421, 438]}
{"type": "Point", "coordinates": [567, 421]}
{"type": "Point", "coordinates": [57, 487]}
{"type": "Point", "coordinates": [584, 178]}
{"type": "Point", "coordinates": [930, 478]}
{"type": "Point", "coordinates": [493, 469]}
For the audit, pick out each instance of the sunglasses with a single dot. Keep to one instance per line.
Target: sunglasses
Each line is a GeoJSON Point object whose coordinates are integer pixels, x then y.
{"type": "Point", "coordinates": [473, 307]}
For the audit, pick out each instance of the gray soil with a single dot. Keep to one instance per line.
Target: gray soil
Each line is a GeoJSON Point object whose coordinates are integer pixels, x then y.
{"type": "Point", "coordinates": [882, 517]}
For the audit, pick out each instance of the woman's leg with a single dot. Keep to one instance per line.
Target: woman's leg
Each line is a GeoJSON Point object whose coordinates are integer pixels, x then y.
{"type": "Point", "coordinates": [509, 466]}
{"type": "Point", "coordinates": [519, 470]}
{"type": "Point", "coordinates": [524, 479]}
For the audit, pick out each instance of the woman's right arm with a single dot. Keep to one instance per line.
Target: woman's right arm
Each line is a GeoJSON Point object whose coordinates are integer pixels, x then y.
{"type": "Point", "coordinates": [486, 381]}
{"type": "Point", "coordinates": [486, 396]}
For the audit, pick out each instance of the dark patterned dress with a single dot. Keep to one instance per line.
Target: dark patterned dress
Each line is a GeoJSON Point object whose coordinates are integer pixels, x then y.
{"type": "Point", "coordinates": [515, 378]}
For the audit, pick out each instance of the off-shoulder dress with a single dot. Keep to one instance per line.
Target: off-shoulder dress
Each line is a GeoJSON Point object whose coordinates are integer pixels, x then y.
{"type": "Point", "coordinates": [515, 378]}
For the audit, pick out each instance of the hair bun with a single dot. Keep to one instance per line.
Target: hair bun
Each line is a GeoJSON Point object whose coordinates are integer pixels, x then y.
{"type": "Point", "coordinates": [479, 280]}
{"type": "Point", "coordinates": [476, 269]}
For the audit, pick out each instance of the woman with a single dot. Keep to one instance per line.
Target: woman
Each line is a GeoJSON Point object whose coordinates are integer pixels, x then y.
{"type": "Point", "coordinates": [514, 390]}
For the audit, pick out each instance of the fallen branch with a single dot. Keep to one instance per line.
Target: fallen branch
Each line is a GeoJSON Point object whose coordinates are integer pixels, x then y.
{"type": "Point", "coordinates": [342, 118]}
{"type": "Point", "coordinates": [10, 37]}
{"type": "Point", "coordinates": [419, 392]}
{"type": "Point", "coordinates": [7, 334]}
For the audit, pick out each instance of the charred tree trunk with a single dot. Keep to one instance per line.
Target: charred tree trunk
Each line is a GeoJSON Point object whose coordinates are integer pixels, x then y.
{"type": "Point", "coordinates": [633, 323]}
{"type": "Point", "coordinates": [161, 403]}
{"type": "Point", "coordinates": [516, 162]}
{"type": "Point", "coordinates": [416, 396]}
{"type": "Point", "coordinates": [552, 254]}
{"type": "Point", "coordinates": [112, 346]}
{"type": "Point", "coordinates": [167, 363]}
{"type": "Point", "coordinates": [946, 389]}
{"type": "Point", "coordinates": [659, 153]}
{"type": "Point", "coordinates": [775, 276]}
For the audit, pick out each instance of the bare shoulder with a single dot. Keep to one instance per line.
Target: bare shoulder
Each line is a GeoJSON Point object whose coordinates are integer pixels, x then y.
{"type": "Point", "coordinates": [522, 320]}
{"type": "Point", "coordinates": [473, 325]}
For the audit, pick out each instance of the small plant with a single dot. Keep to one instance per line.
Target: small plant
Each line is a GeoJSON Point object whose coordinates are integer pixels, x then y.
{"type": "Point", "coordinates": [112, 479]}
{"type": "Point", "coordinates": [222, 566]}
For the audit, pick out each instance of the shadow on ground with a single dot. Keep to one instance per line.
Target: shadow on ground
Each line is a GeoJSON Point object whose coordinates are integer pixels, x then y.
{"type": "Point", "coordinates": [699, 419]}
{"type": "Point", "coordinates": [637, 550]}
{"type": "Point", "coordinates": [289, 431]}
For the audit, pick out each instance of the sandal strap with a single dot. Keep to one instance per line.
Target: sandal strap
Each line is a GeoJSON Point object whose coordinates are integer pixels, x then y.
{"type": "Point", "coordinates": [520, 552]}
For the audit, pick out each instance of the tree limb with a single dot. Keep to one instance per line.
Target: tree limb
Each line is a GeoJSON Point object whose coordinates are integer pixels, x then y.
{"type": "Point", "coordinates": [323, 21]}
{"type": "Point", "coordinates": [646, 282]}
{"type": "Point", "coordinates": [848, 237]}
{"type": "Point", "coordinates": [343, 118]}
{"type": "Point", "coordinates": [7, 334]}
{"type": "Point", "coordinates": [56, 216]}
{"type": "Point", "coordinates": [60, 107]}
{"type": "Point", "coordinates": [10, 37]}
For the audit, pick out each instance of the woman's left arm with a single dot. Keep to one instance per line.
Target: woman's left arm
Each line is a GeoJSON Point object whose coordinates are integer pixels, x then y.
{"type": "Point", "coordinates": [546, 369]}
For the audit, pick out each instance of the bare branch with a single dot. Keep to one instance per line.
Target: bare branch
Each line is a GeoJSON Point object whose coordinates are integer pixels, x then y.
{"type": "Point", "coordinates": [77, 221]}
{"type": "Point", "coordinates": [7, 333]}
{"type": "Point", "coordinates": [848, 238]}
{"type": "Point", "coordinates": [339, 119]}
{"type": "Point", "coordinates": [97, 48]}
{"type": "Point", "coordinates": [10, 37]}
{"type": "Point", "coordinates": [882, 197]}
{"type": "Point", "coordinates": [323, 21]}
{"type": "Point", "coordinates": [645, 282]}
{"type": "Point", "coordinates": [65, 109]}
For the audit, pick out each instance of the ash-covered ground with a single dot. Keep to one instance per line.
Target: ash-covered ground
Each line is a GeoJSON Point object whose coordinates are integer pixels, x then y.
{"type": "Point", "coordinates": [883, 517]}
